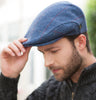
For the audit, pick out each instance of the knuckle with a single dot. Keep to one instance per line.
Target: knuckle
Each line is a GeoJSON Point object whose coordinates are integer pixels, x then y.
{"type": "Point", "coordinates": [15, 41]}
{"type": "Point", "coordinates": [10, 45]}
{"type": "Point", "coordinates": [4, 49]}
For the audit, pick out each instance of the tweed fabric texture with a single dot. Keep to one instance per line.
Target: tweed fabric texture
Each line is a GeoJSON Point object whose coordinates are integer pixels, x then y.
{"type": "Point", "coordinates": [54, 22]}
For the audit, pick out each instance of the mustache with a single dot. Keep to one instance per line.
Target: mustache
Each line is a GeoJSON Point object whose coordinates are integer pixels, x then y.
{"type": "Point", "coordinates": [54, 67]}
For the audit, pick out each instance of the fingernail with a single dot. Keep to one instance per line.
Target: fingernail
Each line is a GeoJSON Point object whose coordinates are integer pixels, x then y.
{"type": "Point", "coordinates": [25, 38]}
{"type": "Point", "coordinates": [21, 53]}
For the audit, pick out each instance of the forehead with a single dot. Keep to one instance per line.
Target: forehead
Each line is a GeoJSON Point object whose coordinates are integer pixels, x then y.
{"type": "Point", "coordinates": [58, 44]}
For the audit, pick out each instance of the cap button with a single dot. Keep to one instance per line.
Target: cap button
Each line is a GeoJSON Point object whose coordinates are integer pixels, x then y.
{"type": "Point", "coordinates": [80, 26]}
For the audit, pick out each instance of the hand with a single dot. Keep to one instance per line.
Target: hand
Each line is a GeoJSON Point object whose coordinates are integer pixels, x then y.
{"type": "Point", "coordinates": [13, 58]}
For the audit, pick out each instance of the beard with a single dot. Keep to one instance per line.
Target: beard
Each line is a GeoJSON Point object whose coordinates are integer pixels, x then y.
{"type": "Point", "coordinates": [72, 66]}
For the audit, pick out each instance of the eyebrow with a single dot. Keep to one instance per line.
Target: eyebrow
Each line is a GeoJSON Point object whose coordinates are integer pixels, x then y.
{"type": "Point", "coordinates": [48, 49]}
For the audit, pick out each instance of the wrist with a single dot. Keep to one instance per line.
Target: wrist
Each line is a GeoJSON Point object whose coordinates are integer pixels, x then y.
{"type": "Point", "coordinates": [6, 82]}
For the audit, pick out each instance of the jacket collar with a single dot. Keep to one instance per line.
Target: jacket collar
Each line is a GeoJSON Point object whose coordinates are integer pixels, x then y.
{"type": "Point", "coordinates": [88, 75]}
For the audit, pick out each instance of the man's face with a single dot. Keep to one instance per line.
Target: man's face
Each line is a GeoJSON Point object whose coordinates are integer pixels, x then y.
{"type": "Point", "coordinates": [61, 58]}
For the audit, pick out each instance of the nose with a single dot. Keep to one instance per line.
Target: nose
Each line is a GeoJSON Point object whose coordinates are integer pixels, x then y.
{"type": "Point", "coordinates": [49, 60]}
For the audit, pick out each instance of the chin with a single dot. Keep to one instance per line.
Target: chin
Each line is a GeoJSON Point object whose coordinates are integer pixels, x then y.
{"type": "Point", "coordinates": [58, 78]}
{"type": "Point", "coordinates": [61, 77]}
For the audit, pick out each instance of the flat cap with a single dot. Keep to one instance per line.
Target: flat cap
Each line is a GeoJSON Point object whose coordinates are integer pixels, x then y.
{"type": "Point", "coordinates": [54, 22]}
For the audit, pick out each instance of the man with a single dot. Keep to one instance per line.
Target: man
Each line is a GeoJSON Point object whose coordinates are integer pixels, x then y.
{"type": "Point", "coordinates": [60, 33]}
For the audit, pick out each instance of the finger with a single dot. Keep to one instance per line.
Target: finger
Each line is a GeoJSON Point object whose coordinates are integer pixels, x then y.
{"type": "Point", "coordinates": [22, 40]}
{"type": "Point", "coordinates": [8, 51]}
{"type": "Point", "coordinates": [27, 52]}
{"type": "Point", "coordinates": [19, 45]}
{"type": "Point", "coordinates": [15, 49]}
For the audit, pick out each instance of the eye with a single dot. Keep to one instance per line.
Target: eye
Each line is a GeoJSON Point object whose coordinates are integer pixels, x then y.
{"type": "Point", "coordinates": [54, 51]}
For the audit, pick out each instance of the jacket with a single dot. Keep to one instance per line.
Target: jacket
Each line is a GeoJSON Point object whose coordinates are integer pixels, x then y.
{"type": "Point", "coordinates": [52, 89]}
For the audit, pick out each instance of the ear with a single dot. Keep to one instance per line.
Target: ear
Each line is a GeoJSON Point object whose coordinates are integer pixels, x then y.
{"type": "Point", "coordinates": [80, 42]}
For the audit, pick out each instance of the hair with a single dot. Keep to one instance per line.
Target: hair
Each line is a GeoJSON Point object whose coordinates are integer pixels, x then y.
{"type": "Point", "coordinates": [71, 38]}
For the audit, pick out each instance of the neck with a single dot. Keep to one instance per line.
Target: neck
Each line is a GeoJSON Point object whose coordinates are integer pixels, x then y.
{"type": "Point", "coordinates": [88, 60]}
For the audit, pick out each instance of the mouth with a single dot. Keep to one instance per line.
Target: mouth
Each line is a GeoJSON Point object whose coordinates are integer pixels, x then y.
{"type": "Point", "coordinates": [55, 70]}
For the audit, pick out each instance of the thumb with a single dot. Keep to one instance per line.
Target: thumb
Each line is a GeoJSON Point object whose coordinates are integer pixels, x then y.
{"type": "Point", "coordinates": [26, 54]}
{"type": "Point", "coordinates": [28, 50]}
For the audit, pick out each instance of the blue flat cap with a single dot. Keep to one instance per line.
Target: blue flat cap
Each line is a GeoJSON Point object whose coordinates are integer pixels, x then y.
{"type": "Point", "coordinates": [54, 22]}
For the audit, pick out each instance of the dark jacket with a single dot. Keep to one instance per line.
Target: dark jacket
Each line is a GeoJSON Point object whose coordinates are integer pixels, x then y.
{"type": "Point", "coordinates": [53, 89]}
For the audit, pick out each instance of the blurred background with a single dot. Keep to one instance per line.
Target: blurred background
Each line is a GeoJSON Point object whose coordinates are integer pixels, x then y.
{"type": "Point", "coordinates": [15, 18]}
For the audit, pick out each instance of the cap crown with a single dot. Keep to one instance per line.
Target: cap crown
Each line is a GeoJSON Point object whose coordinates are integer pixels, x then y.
{"type": "Point", "coordinates": [54, 22]}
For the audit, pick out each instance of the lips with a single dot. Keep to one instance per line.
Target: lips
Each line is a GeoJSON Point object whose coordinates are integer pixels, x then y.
{"type": "Point", "coordinates": [55, 70]}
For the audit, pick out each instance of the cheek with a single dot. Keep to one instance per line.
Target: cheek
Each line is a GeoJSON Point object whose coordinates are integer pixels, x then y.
{"type": "Point", "coordinates": [64, 57]}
